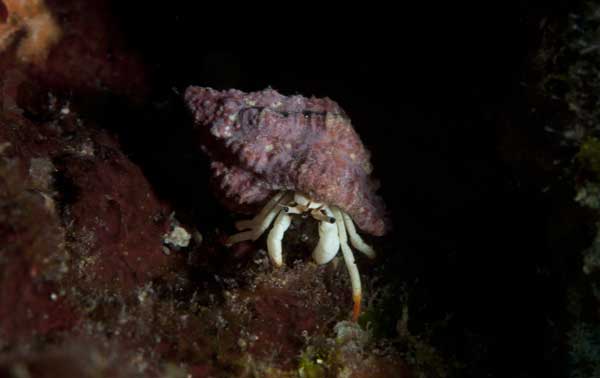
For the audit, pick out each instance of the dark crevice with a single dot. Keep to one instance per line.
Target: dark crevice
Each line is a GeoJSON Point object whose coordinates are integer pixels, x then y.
{"type": "Point", "coordinates": [3, 12]}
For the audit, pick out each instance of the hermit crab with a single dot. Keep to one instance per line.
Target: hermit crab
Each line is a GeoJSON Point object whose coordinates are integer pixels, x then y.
{"type": "Point", "coordinates": [293, 155]}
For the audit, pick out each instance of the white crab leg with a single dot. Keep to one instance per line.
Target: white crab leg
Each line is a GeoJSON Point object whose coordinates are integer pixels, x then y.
{"type": "Point", "coordinates": [329, 242]}
{"type": "Point", "coordinates": [275, 237]}
{"type": "Point", "coordinates": [350, 264]}
{"type": "Point", "coordinates": [258, 228]}
{"type": "Point", "coordinates": [250, 223]}
{"type": "Point", "coordinates": [355, 238]}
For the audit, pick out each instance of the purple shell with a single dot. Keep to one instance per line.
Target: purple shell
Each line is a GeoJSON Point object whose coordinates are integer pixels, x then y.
{"type": "Point", "coordinates": [263, 142]}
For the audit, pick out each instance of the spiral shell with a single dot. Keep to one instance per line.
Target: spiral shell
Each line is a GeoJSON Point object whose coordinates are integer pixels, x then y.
{"type": "Point", "coordinates": [263, 142]}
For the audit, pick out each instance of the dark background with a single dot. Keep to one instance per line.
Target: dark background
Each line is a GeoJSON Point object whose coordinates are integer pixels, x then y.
{"type": "Point", "coordinates": [433, 91]}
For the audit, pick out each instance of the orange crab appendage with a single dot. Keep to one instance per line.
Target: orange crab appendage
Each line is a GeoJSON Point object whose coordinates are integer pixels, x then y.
{"type": "Point", "coordinates": [31, 25]}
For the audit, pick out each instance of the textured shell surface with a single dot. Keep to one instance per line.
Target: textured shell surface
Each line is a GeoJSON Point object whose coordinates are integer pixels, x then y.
{"type": "Point", "coordinates": [263, 142]}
